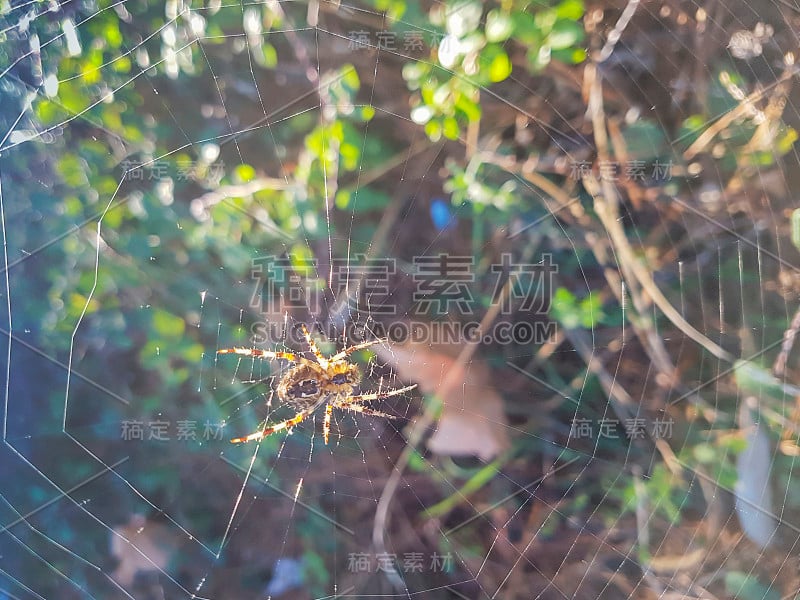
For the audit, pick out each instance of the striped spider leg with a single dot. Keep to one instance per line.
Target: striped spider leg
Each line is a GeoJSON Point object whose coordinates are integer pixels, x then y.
{"type": "Point", "coordinates": [354, 403]}
{"type": "Point", "coordinates": [287, 424]}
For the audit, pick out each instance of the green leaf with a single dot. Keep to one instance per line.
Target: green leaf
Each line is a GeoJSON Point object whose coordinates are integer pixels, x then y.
{"type": "Point", "coordinates": [433, 129]}
{"type": "Point", "coordinates": [526, 30]}
{"type": "Point", "coordinates": [755, 379]}
{"type": "Point", "coordinates": [270, 55]}
{"type": "Point", "coordinates": [470, 108]}
{"type": "Point", "coordinates": [570, 56]}
{"type": "Point", "coordinates": [302, 261]}
{"type": "Point", "coordinates": [48, 112]}
{"type": "Point", "coordinates": [450, 128]}
{"type": "Point", "coordinates": [113, 218]}
{"type": "Point", "coordinates": [350, 77]}
{"type": "Point", "coordinates": [342, 199]}
{"type": "Point", "coordinates": [111, 34]}
{"type": "Point", "coordinates": [193, 353]}
{"type": "Point", "coordinates": [691, 128]}
{"type": "Point", "coordinates": [645, 140]}
{"type": "Point", "coordinates": [367, 113]}
{"type": "Point", "coordinates": [500, 68]}
{"type": "Point", "coordinates": [473, 484]}
{"type": "Point", "coordinates": [244, 173]}
{"type": "Point", "coordinates": [785, 140]}
{"type": "Point", "coordinates": [591, 309]}
{"type": "Point", "coordinates": [539, 57]}
{"type": "Point", "coordinates": [563, 308]}
{"type": "Point", "coordinates": [705, 453]}
{"type": "Point", "coordinates": [349, 155]}
{"type": "Point", "coordinates": [167, 325]}
{"type": "Point", "coordinates": [73, 170]}
{"type": "Point", "coordinates": [745, 586]}
{"type": "Point", "coordinates": [122, 64]}
{"type": "Point", "coordinates": [565, 34]}
{"type": "Point", "coordinates": [72, 206]}
{"type": "Point", "coordinates": [545, 20]}
{"type": "Point", "coordinates": [314, 568]}
{"type": "Point", "coordinates": [570, 9]}
{"type": "Point", "coordinates": [574, 314]}
{"type": "Point", "coordinates": [365, 199]}
{"type": "Point", "coordinates": [417, 463]}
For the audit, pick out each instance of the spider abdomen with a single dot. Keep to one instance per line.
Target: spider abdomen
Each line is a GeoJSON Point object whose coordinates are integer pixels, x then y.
{"type": "Point", "coordinates": [300, 385]}
{"type": "Point", "coordinates": [308, 388]}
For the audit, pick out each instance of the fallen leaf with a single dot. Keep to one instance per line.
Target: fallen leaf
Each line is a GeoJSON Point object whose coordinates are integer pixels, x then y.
{"type": "Point", "coordinates": [472, 421]}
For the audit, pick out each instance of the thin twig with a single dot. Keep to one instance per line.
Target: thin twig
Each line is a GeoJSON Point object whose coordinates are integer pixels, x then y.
{"type": "Point", "coordinates": [726, 120]}
{"type": "Point", "coordinates": [779, 368]}
{"type": "Point", "coordinates": [421, 425]}
{"type": "Point", "coordinates": [643, 329]}
{"type": "Point", "coordinates": [619, 28]}
{"type": "Point", "coordinates": [606, 204]}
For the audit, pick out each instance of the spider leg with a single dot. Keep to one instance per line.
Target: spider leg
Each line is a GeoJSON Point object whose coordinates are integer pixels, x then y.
{"type": "Point", "coordinates": [351, 349]}
{"type": "Point", "coordinates": [258, 353]}
{"type": "Point", "coordinates": [365, 411]}
{"type": "Point", "coordinates": [267, 355]}
{"type": "Point", "coordinates": [313, 347]}
{"type": "Point", "coordinates": [298, 418]}
{"type": "Point", "coordinates": [350, 400]}
{"type": "Point", "coordinates": [326, 427]}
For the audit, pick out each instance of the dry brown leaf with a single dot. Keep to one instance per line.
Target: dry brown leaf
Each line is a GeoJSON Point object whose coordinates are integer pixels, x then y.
{"type": "Point", "coordinates": [472, 421]}
{"type": "Point", "coordinates": [155, 541]}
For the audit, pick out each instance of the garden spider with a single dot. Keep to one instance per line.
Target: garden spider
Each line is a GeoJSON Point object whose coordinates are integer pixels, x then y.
{"type": "Point", "coordinates": [310, 384]}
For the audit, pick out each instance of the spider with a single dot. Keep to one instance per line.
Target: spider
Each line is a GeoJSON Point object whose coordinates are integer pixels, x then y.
{"type": "Point", "coordinates": [311, 383]}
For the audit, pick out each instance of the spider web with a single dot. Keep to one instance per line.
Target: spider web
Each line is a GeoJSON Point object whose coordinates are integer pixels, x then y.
{"type": "Point", "coordinates": [120, 292]}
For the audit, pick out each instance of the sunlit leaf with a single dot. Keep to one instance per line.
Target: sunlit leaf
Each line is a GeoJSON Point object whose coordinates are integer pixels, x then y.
{"type": "Point", "coordinates": [570, 9]}
{"type": "Point", "coordinates": [270, 55]}
{"type": "Point", "coordinates": [302, 260]}
{"type": "Point", "coordinates": [244, 173]}
{"type": "Point", "coordinates": [450, 128]}
{"type": "Point", "coordinates": [433, 129]}
{"type": "Point", "coordinates": [500, 68]}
